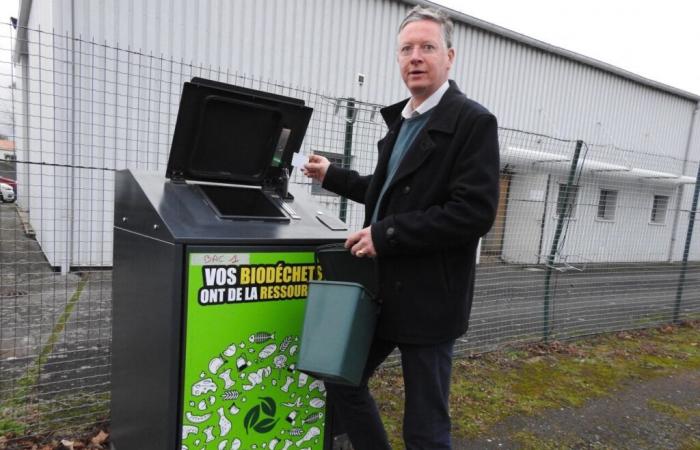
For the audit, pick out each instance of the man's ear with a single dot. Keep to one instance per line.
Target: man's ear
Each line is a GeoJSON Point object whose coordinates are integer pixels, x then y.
{"type": "Point", "coordinates": [451, 55]}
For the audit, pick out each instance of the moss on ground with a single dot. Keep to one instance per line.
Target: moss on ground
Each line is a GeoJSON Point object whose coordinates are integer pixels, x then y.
{"type": "Point", "coordinates": [525, 380]}
{"type": "Point", "coordinates": [684, 415]}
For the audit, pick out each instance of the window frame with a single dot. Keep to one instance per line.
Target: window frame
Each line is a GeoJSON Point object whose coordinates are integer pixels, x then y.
{"type": "Point", "coordinates": [654, 209]}
{"type": "Point", "coordinates": [609, 205]}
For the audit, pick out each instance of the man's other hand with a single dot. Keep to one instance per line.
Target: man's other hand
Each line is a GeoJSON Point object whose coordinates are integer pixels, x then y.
{"type": "Point", "coordinates": [316, 168]}
{"type": "Point", "coordinates": [360, 243]}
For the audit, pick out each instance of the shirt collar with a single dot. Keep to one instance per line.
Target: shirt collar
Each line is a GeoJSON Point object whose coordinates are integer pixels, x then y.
{"type": "Point", "coordinates": [429, 103]}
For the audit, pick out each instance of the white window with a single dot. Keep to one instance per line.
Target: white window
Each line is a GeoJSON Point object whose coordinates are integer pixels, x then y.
{"type": "Point", "coordinates": [566, 200]}
{"type": "Point", "coordinates": [607, 202]}
{"type": "Point", "coordinates": [659, 208]}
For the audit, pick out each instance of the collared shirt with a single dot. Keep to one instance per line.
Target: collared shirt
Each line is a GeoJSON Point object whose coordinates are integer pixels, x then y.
{"type": "Point", "coordinates": [429, 103]}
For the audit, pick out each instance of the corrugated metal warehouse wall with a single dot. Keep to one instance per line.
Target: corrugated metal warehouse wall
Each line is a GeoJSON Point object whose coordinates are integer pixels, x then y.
{"type": "Point", "coordinates": [321, 46]}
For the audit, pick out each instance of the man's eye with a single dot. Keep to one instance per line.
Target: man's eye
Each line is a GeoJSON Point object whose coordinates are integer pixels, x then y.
{"type": "Point", "coordinates": [428, 47]}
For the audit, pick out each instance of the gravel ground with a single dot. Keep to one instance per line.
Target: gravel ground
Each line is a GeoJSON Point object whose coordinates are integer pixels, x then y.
{"type": "Point", "coordinates": [663, 413]}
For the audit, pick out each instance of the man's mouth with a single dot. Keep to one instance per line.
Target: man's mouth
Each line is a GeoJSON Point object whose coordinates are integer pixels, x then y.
{"type": "Point", "coordinates": [416, 72]}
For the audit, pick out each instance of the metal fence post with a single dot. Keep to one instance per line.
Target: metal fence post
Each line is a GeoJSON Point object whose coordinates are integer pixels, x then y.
{"type": "Point", "coordinates": [686, 249]}
{"type": "Point", "coordinates": [347, 150]}
{"type": "Point", "coordinates": [568, 190]}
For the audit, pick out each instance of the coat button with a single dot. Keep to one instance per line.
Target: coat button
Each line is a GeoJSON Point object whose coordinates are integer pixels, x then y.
{"type": "Point", "coordinates": [406, 189]}
{"type": "Point", "coordinates": [390, 231]}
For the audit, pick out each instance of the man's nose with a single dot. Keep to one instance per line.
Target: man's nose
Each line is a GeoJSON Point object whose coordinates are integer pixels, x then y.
{"type": "Point", "coordinates": [416, 56]}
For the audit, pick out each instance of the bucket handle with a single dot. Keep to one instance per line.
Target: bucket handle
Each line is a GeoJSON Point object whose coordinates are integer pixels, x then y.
{"type": "Point", "coordinates": [339, 245]}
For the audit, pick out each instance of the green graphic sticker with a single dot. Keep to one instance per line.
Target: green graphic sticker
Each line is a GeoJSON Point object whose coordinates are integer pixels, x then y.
{"type": "Point", "coordinates": [243, 325]}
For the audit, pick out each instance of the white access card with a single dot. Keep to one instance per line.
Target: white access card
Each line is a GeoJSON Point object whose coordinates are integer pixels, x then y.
{"type": "Point", "coordinates": [298, 160]}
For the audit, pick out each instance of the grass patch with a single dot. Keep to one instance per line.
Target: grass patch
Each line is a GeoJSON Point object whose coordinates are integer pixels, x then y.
{"type": "Point", "coordinates": [690, 444]}
{"type": "Point", "coordinates": [22, 413]}
{"type": "Point", "coordinates": [30, 380]}
{"type": "Point", "coordinates": [68, 414]}
{"type": "Point", "coordinates": [684, 415]}
{"type": "Point", "coordinates": [530, 441]}
{"type": "Point", "coordinates": [529, 379]}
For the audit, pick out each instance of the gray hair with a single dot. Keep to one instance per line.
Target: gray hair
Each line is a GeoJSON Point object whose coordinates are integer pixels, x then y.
{"type": "Point", "coordinates": [419, 13]}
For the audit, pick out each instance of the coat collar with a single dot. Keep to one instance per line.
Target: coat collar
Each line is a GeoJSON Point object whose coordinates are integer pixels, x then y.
{"type": "Point", "coordinates": [443, 117]}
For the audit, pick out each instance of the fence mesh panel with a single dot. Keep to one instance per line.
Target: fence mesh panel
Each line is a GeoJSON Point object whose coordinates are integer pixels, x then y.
{"type": "Point", "coordinates": [589, 237]}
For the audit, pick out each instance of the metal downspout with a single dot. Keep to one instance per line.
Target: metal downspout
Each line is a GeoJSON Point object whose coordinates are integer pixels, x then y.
{"type": "Point", "coordinates": [679, 194]}
{"type": "Point", "coordinates": [65, 267]}
{"type": "Point", "coordinates": [688, 239]}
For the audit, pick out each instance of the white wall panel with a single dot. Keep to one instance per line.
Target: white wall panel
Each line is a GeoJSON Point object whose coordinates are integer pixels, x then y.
{"type": "Point", "coordinates": [320, 46]}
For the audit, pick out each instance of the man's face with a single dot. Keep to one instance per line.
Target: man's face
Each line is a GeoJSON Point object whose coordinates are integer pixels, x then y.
{"type": "Point", "coordinates": [423, 58]}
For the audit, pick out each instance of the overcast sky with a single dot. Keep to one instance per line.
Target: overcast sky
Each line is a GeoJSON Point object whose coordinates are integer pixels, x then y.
{"type": "Point", "coordinates": [659, 40]}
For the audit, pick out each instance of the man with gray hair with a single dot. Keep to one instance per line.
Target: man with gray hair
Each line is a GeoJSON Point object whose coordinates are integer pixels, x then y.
{"type": "Point", "coordinates": [433, 194]}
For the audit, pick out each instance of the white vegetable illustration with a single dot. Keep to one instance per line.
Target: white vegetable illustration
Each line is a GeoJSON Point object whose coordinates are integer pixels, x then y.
{"type": "Point", "coordinates": [230, 351]}
{"type": "Point", "coordinates": [312, 433]}
{"type": "Point", "coordinates": [267, 351]}
{"type": "Point", "coordinates": [295, 404]}
{"type": "Point", "coordinates": [242, 363]}
{"type": "Point", "coordinates": [215, 364]}
{"type": "Point", "coordinates": [208, 431]}
{"type": "Point", "coordinates": [202, 405]}
{"type": "Point", "coordinates": [254, 379]}
{"type": "Point", "coordinates": [226, 376]}
{"type": "Point", "coordinates": [316, 403]}
{"type": "Point", "coordinates": [317, 384]}
{"type": "Point", "coordinates": [280, 361]}
{"type": "Point", "coordinates": [231, 395]}
{"type": "Point", "coordinates": [222, 445]}
{"type": "Point", "coordinates": [273, 443]}
{"type": "Point", "coordinates": [233, 410]}
{"type": "Point", "coordinates": [224, 423]}
{"type": "Point", "coordinates": [292, 350]}
{"type": "Point", "coordinates": [285, 343]}
{"type": "Point", "coordinates": [236, 444]}
{"type": "Point", "coordinates": [285, 388]}
{"type": "Point", "coordinates": [197, 419]}
{"type": "Point", "coordinates": [203, 386]}
{"type": "Point", "coordinates": [187, 430]}
{"type": "Point", "coordinates": [291, 417]}
{"type": "Point", "coordinates": [302, 380]}
{"type": "Point", "coordinates": [287, 443]}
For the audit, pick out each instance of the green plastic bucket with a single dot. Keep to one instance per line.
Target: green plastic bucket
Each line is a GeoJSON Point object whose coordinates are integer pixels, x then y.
{"type": "Point", "coordinates": [339, 323]}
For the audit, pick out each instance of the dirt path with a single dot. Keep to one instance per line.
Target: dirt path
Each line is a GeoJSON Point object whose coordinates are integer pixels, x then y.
{"type": "Point", "coordinates": [662, 413]}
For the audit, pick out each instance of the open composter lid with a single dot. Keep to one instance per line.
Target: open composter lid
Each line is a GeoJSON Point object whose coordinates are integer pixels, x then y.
{"type": "Point", "coordinates": [230, 134]}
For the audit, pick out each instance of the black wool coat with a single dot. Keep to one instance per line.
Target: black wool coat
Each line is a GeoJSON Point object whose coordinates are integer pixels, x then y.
{"type": "Point", "coordinates": [442, 199]}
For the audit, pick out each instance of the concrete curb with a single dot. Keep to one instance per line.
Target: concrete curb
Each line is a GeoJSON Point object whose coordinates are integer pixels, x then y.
{"type": "Point", "coordinates": [24, 219]}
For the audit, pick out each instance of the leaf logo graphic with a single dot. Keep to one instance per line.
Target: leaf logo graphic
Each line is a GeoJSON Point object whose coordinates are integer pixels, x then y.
{"type": "Point", "coordinates": [253, 420]}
